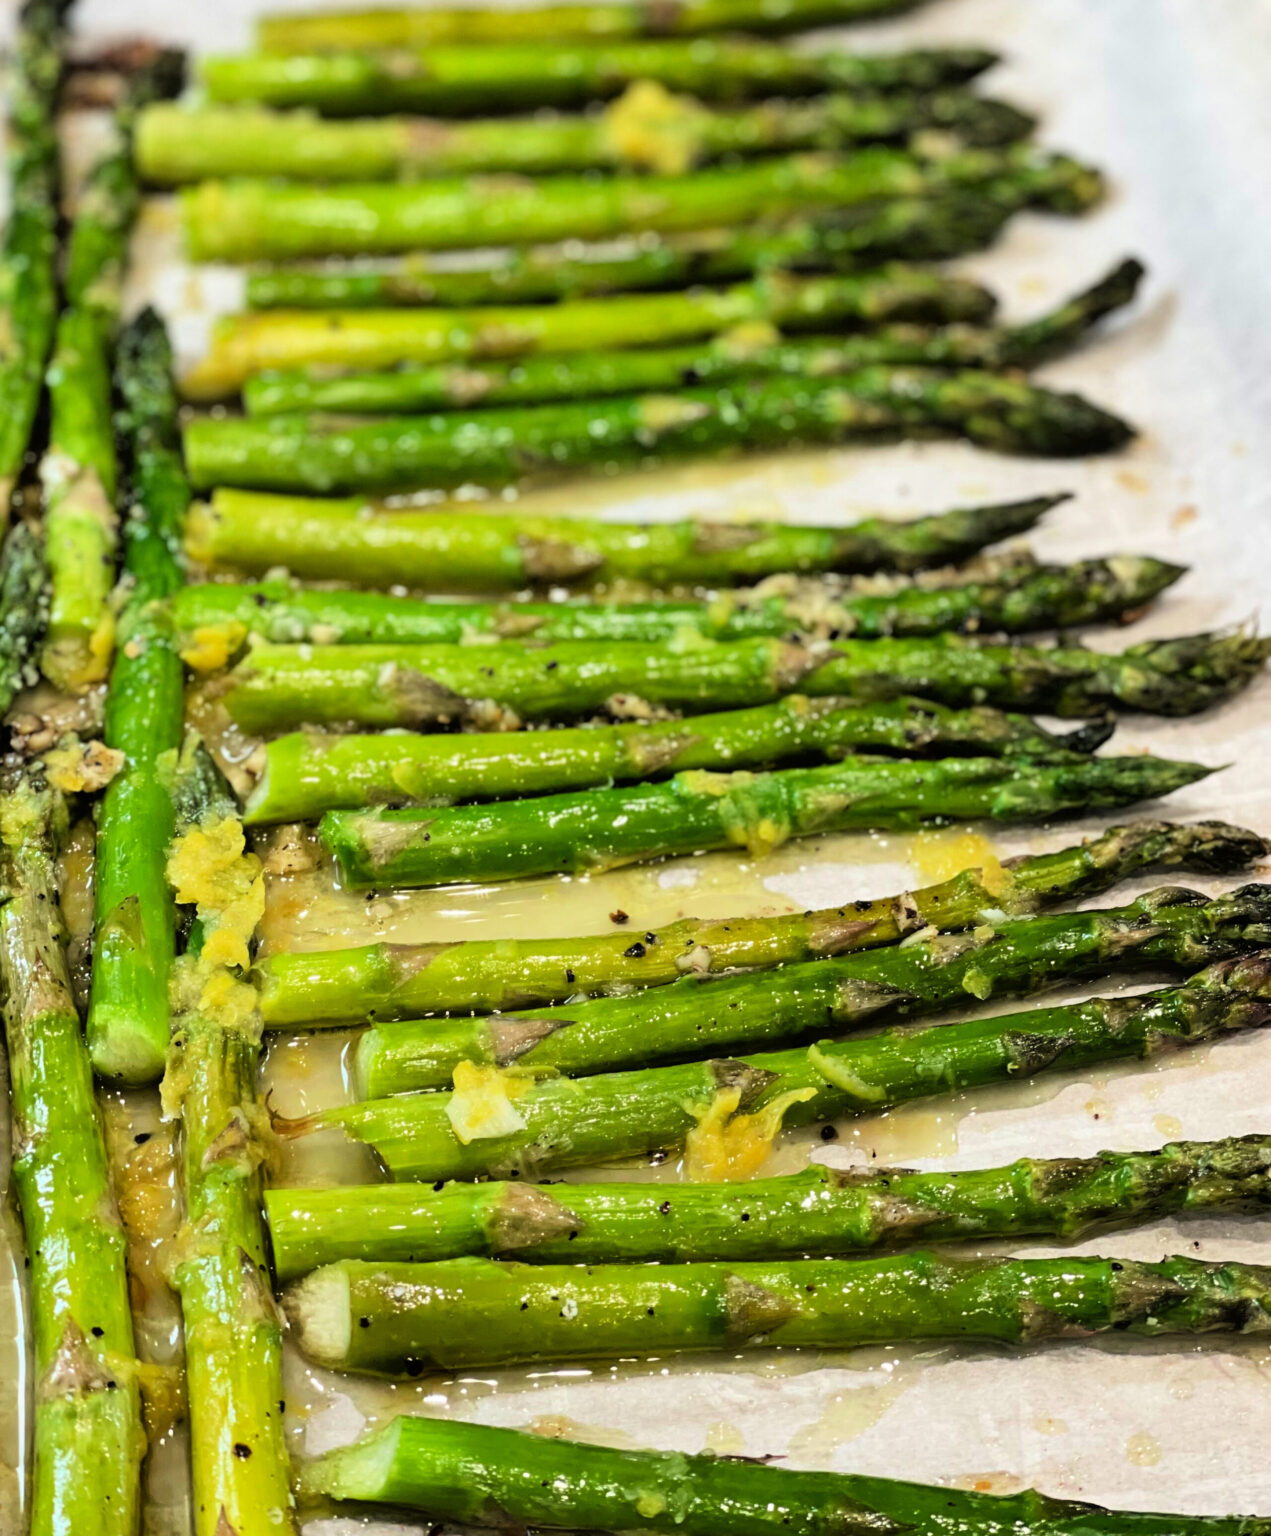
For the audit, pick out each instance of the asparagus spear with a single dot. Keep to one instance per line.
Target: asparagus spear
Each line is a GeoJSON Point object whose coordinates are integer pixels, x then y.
{"type": "Point", "coordinates": [497, 447]}
{"type": "Point", "coordinates": [79, 471]}
{"type": "Point", "coordinates": [403, 1319]}
{"type": "Point", "coordinates": [233, 1339]}
{"type": "Point", "coordinates": [307, 773]}
{"type": "Point", "coordinates": [128, 1018]}
{"type": "Point", "coordinates": [457, 550]}
{"type": "Point", "coordinates": [648, 128]}
{"type": "Point", "coordinates": [277, 687]}
{"type": "Point", "coordinates": [256, 219]}
{"type": "Point", "coordinates": [28, 255]}
{"type": "Point", "coordinates": [88, 1436]}
{"type": "Point", "coordinates": [846, 239]}
{"type": "Point", "coordinates": [588, 375]}
{"type": "Point", "coordinates": [1004, 955]}
{"type": "Point", "coordinates": [388, 28]}
{"type": "Point", "coordinates": [478, 1475]}
{"type": "Point", "coordinates": [390, 981]}
{"type": "Point", "coordinates": [626, 1114]}
{"type": "Point", "coordinates": [24, 610]}
{"type": "Point", "coordinates": [247, 343]}
{"type": "Point", "coordinates": [823, 1211]}
{"type": "Point", "coordinates": [492, 77]}
{"type": "Point", "coordinates": [1012, 596]}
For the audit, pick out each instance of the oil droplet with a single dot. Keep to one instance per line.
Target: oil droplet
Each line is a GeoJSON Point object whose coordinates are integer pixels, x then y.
{"type": "Point", "coordinates": [724, 1439]}
{"type": "Point", "coordinates": [1098, 1108]}
{"type": "Point", "coordinates": [559, 1426]}
{"type": "Point", "coordinates": [846, 1415]}
{"type": "Point", "coordinates": [1050, 1426]}
{"type": "Point", "coordinates": [939, 855]}
{"type": "Point", "coordinates": [1143, 1450]}
{"type": "Point", "coordinates": [1180, 1389]}
{"type": "Point", "coordinates": [1168, 1125]}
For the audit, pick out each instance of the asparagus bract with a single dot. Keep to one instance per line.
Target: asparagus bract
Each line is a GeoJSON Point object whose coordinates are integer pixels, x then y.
{"type": "Point", "coordinates": [128, 1018]}
{"type": "Point", "coordinates": [592, 374]}
{"type": "Point", "coordinates": [842, 239]}
{"type": "Point", "coordinates": [821, 1210]}
{"type": "Point", "coordinates": [389, 28]}
{"type": "Point", "coordinates": [276, 687]}
{"type": "Point", "coordinates": [403, 1318]}
{"type": "Point", "coordinates": [452, 78]}
{"type": "Point", "coordinates": [306, 774]}
{"type": "Point", "coordinates": [89, 1441]}
{"type": "Point", "coordinates": [248, 343]}
{"type": "Point", "coordinates": [568, 1122]}
{"type": "Point", "coordinates": [458, 550]}
{"type": "Point", "coordinates": [390, 981]}
{"type": "Point", "coordinates": [255, 219]}
{"type": "Point", "coordinates": [28, 255]}
{"type": "Point", "coordinates": [1003, 956]}
{"type": "Point", "coordinates": [477, 1475]}
{"type": "Point", "coordinates": [646, 129]}
{"type": "Point", "coordinates": [233, 1337]}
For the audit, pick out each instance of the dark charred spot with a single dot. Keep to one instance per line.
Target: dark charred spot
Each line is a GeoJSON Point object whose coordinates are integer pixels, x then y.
{"type": "Point", "coordinates": [619, 917]}
{"type": "Point", "coordinates": [243, 1452]}
{"type": "Point", "coordinates": [828, 1133]}
{"type": "Point", "coordinates": [634, 951]}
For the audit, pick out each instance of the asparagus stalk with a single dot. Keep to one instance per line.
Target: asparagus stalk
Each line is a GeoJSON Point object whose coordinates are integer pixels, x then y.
{"type": "Point", "coordinates": [1009, 597]}
{"type": "Point", "coordinates": [648, 128]}
{"type": "Point", "coordinates": [28, 254]}
{"type": "Point", "coordinates": [248, 343]}
{"type": "Point", "coordinates": [277, 687]}
{"type": "Point", "coordinates": [846, 239]}
{"type": "Point", "coordinates": [79, 472]}
{"type": "Point", "coordinates": [457, 550]}
{"type": "Point", "coordinates": [497, 447]}
{"type": "Point", "coordinates": [820, 1211]}
{"type": "Point", "coordinates": [128, 1017]}
{"type": "Point", "coordinates": [338, 31]}
{"type": "Point", "coordinates": [402, 1319]}
{"type": "Point", "coordinates": [307, 773]}
{"type": "Point", "coordinates": [478, 1475]}
{"type": "Point", "coordinates": [627, 1114]}
{"type": "Point", "coordinates": [589, 375]}
{"type": "Point", "coordinates": [1010, 955]}
{"type": "Point", "coordinates": [391, 981]}
{"type": "Point", "coordinates": [88, 1436]}
{"type": "Point", "coordinates": [490, 77]}
{"type": "Point", "coordinates": [699, 810]}
{"type": "Point", "coordinates": [233, 1338]}
{"type": "Point", "coordinates": [24, 610]}
{"type": "Point", "coordinates": [256, 219]}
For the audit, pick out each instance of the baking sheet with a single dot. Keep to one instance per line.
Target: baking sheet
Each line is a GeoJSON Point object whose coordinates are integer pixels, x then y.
{"type": "Point", "coordinates": [1171, 97]}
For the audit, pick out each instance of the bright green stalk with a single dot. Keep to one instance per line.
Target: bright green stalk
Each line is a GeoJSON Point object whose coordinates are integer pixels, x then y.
{"type": "Point", "coordinates": [338, 31]}
{"type": "Point", "coordinates": [1011, 597]}
{"type": "Point", "coordinates": [846, 239]}
{"type": "Point", "coordinates": [245, 344]}
{"type": "Point", "coordinates": [89, 1441]}
{"type": "Point", "coordinates": [233, 1338]}
{"type": "Point", "coordinates": [699, 810]}
{"type": "Point", "coordinates": [79, 471]}
{"type": "Point", "coordinates": [498, 447]}
{"type": "Point", "coordinates": [258, 219]}
{"type": "Point", "coordinates": [389, 981]}
{"type": "Point", "coordinates": [646, 129]}
{"type": "Point", "coordinates": [587, 375]}
{"type": "Point", "coordinates": [628, 1114]}
{"type": "Point", "coordinates": [1003, 956]}
{"type": "Point", "coordinates": [821, 1211]}
{"type": "Point", "coordinates": [493, 77]}
{"type": "Point", "coordinates": [281, 687]}
{"type": "Point", "coordinates": [480, 1476]}
{"type": "Point", "coordinates": [128, 1018]}
{"type": "Point", "coordinates": [457, 550]}
{"type": "Point", "coordinates": [306, 773]}
{"type": "Point", "coordinates": [460, 1313]}
{"type": "Point", "coordinates": [28, 256]}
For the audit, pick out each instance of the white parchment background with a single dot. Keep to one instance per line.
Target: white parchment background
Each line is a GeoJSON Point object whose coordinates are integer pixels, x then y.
{"type": "Point", "coordinates": [1174, 98]}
